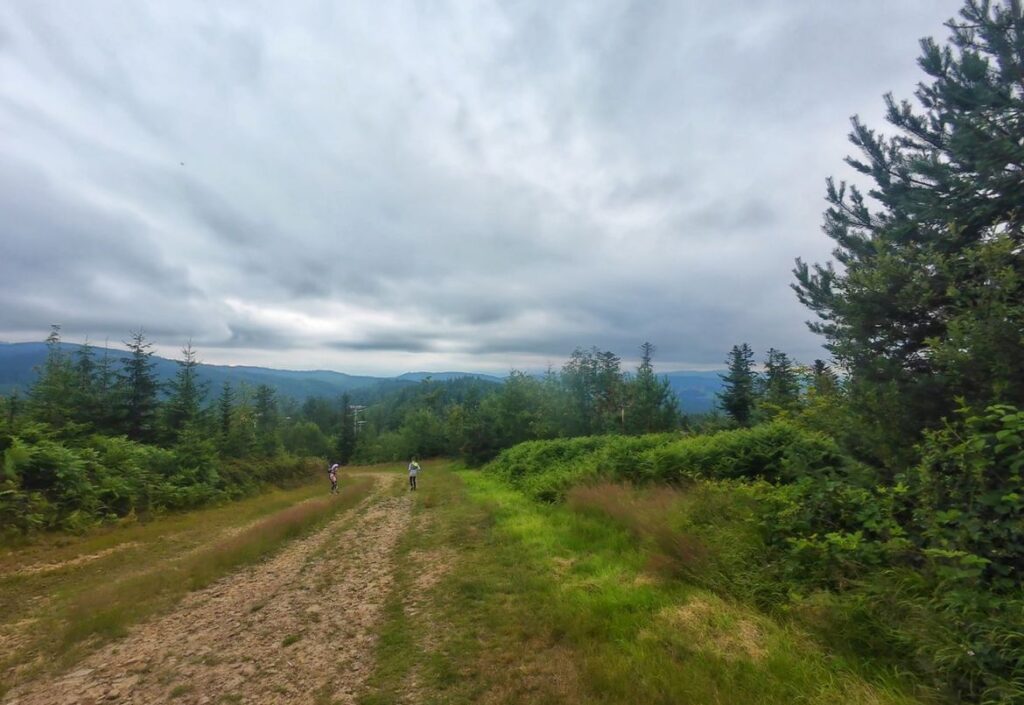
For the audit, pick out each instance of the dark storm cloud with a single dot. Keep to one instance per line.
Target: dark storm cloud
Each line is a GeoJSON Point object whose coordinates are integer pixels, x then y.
{"type": "Point", "coordinates": [382, 187]}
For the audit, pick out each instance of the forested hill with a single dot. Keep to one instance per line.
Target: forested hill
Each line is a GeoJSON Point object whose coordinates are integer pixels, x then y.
{"type": "Point", "coordinates": [18, 363]}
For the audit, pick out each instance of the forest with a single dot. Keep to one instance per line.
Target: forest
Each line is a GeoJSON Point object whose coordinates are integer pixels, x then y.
{"type": "Point", "coordinates": [877, 496]}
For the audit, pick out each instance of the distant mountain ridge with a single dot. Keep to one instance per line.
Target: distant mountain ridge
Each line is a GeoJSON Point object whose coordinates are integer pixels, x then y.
{"type": "Point", "coordinates": [19, 361]}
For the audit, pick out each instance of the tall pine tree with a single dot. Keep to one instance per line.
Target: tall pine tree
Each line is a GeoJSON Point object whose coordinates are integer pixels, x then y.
{"type": "Point", "coordinates": [138, 389]}
{"type": "Point", "coordinates": [186, 393]}
{"type": "Point", "coordinates": [927, 304]}
{"type": "Point", "coordinates": [653, 405]}
{"type": "Point", "coordinates": [781, 382]}
{"type": "Point", "coordinates": [50, 398]}
{"type": "Point", "coordinates": [739, 393]}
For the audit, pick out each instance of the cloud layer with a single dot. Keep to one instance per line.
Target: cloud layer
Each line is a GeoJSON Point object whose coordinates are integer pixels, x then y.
{"type": "Point", "coordinates": [377, 187]}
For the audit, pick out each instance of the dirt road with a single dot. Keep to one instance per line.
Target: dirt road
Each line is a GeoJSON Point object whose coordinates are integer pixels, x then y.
{"type": "Point", "coordinates": [298, 628]}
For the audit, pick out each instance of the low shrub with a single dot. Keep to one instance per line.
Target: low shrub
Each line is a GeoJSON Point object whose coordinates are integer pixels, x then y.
{"type": "Point", "coordinates": [48, 484]}
{"type": "Point", "coordinates": [778, 451]}
{"type": "Point", "coordinates": [924, 573]}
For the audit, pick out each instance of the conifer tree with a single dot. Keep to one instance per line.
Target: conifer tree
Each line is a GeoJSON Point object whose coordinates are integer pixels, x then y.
{"type": "Point", "coordinates": [781, 383]}
{"type": "Point", "coordinates": [580, 380]}
{"type": "Point", "coordinates": [85, 405]}
{"type": "Point", "coordinates": [739, 395]}
{"type": "Point", "coordinates": [823, 379]}
{"type": "Point", "coordinates": [653, 404]}
{"type": "Point", "coordinates": [138, 387]}
{"type": "Point", "coordinates": [50, 396]}
{"type": "Point", "coordinates": [928, 302]}
{"type": "Point", "coordinates": [345, 444]}
{"type": "Point", "coordinates": [105, 394]}
{"type": "Point", "coordinates": [186, 392]}
{"type": "Point", "coordinates": [13, 409]}
{"type": "Point", "coordinates": [225, 407]}
{"type": "Point", "coordinates": [265, 408]}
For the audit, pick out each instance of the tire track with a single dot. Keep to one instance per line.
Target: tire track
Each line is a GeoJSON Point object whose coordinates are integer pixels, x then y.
{"type": "Point", "coordinates": [298, 628]}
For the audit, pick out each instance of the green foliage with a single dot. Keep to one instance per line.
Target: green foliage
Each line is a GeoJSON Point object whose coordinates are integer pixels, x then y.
{"type": "Point", "coordinates": [922, 573]}
{"type": "Point", "coordinates": [345, 442]}
{"type": "Point", "coordinates": [781, 383]}
{"type": "Point", "coordinates": [967, 498]}
{"type": "Point", "coordinates": [50, 484]}
{"type": "Point", "coordinates": [739, 393]}
{"type": "Point", "coordinates": [186, 393]}
{"type": "Point", "coordinates": [778, 451]}
{"type": "Point", "coordinates": [652, 405]}
{"type": "Point", "coordinates": [305, 438]}
{"type": "Point", "coordinates": [927, 304]}
{"type": "Point", "coordinates": [476, 421]}
{"type": "Point", "coordinates": [49, 395]}
{"type": "Point", "coordinates": [138, 389]}
{"type": "Point", "coordinates": [595, 387]}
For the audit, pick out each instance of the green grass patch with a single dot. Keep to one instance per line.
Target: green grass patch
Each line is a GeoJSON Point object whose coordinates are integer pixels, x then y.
{"type": "Point", "coordinates": [588, 603]}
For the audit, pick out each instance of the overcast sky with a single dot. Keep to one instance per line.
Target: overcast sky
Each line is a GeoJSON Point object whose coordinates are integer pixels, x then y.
{"type": "Point", "coordinates": [378, 187]}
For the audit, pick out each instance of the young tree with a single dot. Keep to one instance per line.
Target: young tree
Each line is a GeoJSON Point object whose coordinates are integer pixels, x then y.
{"type": "Point", "coordinates": [595, 385]}
{"type": "Point", "coordinates": [266, 420]}
{"type": "Point", "coordinates": [186, 392]}
{"type": "Point", "coordinates": [50, 396]}
{"type": "Point", "coordinates": [108, 413]}
{"type": "Point", "coordinates": [12, 409]}
{"type": "Point", "coordinates": [739, 396]}
{"type": "Point", "coordinates": [225, 409]}
{"type": "Point", "coordinates": [239, 432]}
{"type": "Point", "coordinates": [781, 383]}
{"type": "Point", "coordinates": [611, 391]}
{"type": "Point", "coordinates": [653, 405]}
{"type": "Point", "coordinates": [85, 403]}
{"type": "Point", "coordinates": [928, 303]}
{"type": "Point", "coordinates": [138, 386]}
{"type": "Point", "coordinates": [824, 381]}
{"type": "Point", "coordinates": [345, 442]}
{"type": "Point", "coordinates": [579, 379]}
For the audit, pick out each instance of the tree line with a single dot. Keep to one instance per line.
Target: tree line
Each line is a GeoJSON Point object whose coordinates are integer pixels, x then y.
{"type": "Point", "coordinates": [591, 394]}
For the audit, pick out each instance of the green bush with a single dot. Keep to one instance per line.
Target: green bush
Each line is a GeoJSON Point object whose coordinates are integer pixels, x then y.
{"type": "Point", "coordinates": [924, 573]}
{"type": "Point", "coordinates": [49, 484]}
{"type": "Point", "coordinates": [779, 451]}
{"type": "Point", "coordinates": [967, 497]}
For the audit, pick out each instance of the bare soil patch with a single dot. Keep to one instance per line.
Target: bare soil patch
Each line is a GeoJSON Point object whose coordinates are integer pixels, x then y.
{"type": "Point", "coordinates": [298, 628]}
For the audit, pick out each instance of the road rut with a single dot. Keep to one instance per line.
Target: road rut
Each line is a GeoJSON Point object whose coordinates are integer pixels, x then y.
{"type": "Point", "coordinates": [298, 628]}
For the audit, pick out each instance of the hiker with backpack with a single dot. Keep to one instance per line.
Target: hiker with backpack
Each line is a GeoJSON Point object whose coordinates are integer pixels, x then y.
{"type": "Point", "coordinates": [414, 470]}
{"type": "Point", "coordinates": [332, 474]}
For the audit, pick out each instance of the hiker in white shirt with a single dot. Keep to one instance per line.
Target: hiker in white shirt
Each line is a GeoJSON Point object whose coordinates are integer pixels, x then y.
{"type": "Point", "coordinates": [414, 470]}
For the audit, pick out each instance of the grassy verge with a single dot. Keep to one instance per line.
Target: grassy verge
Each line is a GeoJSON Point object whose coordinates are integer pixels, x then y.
{"type": "Point", "coordinates": [571, 604]}
{"type": "Point", "coordinates": [81, 605]}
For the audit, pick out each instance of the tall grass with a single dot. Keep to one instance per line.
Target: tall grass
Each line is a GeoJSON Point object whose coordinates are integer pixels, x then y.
{"type": "Point", "coordinates": [648, 516]}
